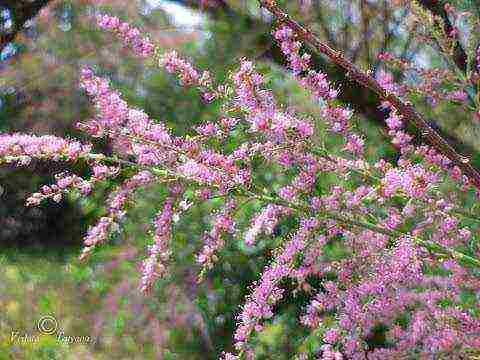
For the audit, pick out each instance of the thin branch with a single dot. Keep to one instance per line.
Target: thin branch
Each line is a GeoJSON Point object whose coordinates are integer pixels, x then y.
{"type": "Point", "coordinates": [303, 208]}
{"type": "Point", "coordinates": [365, 80]}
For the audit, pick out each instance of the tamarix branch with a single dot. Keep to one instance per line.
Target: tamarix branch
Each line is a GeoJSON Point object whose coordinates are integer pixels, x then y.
{"type": "Point", "coordinates": [403, 108]}
{"type": "Point", "coordinates": [408, 247]}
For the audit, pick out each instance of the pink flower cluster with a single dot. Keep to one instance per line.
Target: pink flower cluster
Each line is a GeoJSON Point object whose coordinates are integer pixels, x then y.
{"type": "Point", "coordinates": [22, 149]}
{"type": "Point", "coordinates": [434, 85]}
{"type": "Point", "coordinates": [171, 61]}
{"type": "Point", "coordinates": [117, 205]}
{"type": "Point", "coordinates": [188, 75]}
{"type": "Point", "coordinates": [401, 230]}
{"type": "Point", "coordinates": [259, 304]}
{"type": "Point", "coordinates": [158, 253]}
{"type": "Point", "coordinates": [129, 35]}
{"type": "Point", "coordinates": [223, 223]}
{"type": "Point", "coordinates": [265, 222]}
{"type": "Point", "coordinates": [317, 82]}
{"type": "Point", "coordinates": [65, 183]}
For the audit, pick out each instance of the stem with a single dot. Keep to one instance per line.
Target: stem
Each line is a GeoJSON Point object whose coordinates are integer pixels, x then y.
{"type": "Point", "coordinates": [406, 109]}
{"type": "Point", "coordinates": [304, 208]}
{"type": "Point", "coordinates": [376, 180]}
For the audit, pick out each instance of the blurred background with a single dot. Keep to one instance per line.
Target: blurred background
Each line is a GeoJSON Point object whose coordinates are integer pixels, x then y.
{"type": "Point", "coordinates": [43, 46]}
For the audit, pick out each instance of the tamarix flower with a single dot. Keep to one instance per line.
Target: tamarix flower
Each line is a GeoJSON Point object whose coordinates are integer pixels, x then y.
{"type": "Point", "coordinates": [158, 253]}
{"type": "Point", "coordinates": [22, 149]}
{"type": "Point", "coordinates": [129, 35]}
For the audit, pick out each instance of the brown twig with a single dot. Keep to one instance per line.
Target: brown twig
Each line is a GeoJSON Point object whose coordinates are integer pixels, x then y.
{"type": "Point", "coordinates": [355, 74]}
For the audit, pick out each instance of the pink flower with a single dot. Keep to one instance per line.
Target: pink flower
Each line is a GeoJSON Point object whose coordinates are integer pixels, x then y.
{"type": "Point", "coordinates": [158, 253]}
